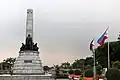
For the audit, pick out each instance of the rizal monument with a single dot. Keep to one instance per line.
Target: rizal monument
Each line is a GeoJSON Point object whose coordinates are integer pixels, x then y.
{"type": "Point", "coordinates": [28, 65]}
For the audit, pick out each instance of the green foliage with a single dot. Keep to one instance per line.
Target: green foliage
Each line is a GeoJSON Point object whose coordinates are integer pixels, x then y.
{"type": "Point", "coordinates": [64, 71]}
{"type": "Point", "coordinates": [57, 69]}
{"type": "Point", "coordinates": [113, 74]}
{"type": "Point", "coordinates": [99, 70]}
{"type": "Point", "coordinates": [82, 63]}
{"type": "Point", "coordinates": [89, 61]}
{"type": "Point", "coordinates": [88, 67]}
{"type": "Point", "coordinates": [88, 73]}
{"type": "Point", "coordinates": [116, 64]}
{"type": "Point", "coordinates": [101, 53]}
{"type": "Point", "coordinates": [10, 61]}
{"type": "Point", "coordinates": [71, 71]}
{"type": "Point", "coordinates": [7, 64]}
{"type": "Point", "coordinates": [101, 56]}
{"type": "Point", "coordinates": [46, 68]}
{"type": "Point", "coordinates": [117, 53]}
{"type": "Point", "coordinates": [77, 72]}
{"type": "Point", "coordinates": [78, 64]}
{"type": "Point", "coordinates": [65, 65]}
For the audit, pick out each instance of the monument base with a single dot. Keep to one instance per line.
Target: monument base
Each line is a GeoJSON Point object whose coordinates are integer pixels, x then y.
{"type": "Point", "coordinates": [26, 77]}
{"type": "Point", "coordinates": [28, 63]}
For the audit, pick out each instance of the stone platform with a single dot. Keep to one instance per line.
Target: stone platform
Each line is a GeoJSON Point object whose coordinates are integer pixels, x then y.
{"type": "Point", "coordinates": [28, 63]}
{"type": "Point", "coordinates": [26, 77]}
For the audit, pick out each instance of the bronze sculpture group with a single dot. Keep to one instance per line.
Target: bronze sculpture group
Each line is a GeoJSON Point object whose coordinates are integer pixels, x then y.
{"type": "Point", "coordinates": [29, 45]}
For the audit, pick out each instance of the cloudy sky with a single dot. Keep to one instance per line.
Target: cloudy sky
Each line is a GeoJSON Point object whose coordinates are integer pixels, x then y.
{"type": "Point", "coordinates": [63, 29]}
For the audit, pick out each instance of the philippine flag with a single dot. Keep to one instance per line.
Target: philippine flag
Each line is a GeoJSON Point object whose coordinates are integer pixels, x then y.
{"type": "Point", "coordinates": [92, 45]}
{"type": "Point", "coordinates": [102, 39]}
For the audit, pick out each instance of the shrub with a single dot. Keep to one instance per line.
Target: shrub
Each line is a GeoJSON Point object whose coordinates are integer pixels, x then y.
{"type": "Point", "coordinates": [99, 70]}
{"type": "Point", "coordinates": [64, 71]}
{"type": "Point", "coordinates": [116, 64]}
{"type": "Point", "coordinates": [77, 72]}
{"type": "Point", "coordinates": [71, 71]}
{"type": "Point", "coordinates": [88, 73]}
{"type": "Point", "coordinates": [113, 74]}
{"type": "Point", "coordinates": [88, 67]}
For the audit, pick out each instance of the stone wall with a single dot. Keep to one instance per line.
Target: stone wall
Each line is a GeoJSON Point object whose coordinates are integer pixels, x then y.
{"type": "Point", "coordinates": [22, 77]}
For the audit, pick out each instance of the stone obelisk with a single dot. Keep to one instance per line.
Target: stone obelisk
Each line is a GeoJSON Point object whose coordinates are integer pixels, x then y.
{"type": "Point", "coordinates": [28, 62]}
{"type": "Point", "coordinates": [29, 23]}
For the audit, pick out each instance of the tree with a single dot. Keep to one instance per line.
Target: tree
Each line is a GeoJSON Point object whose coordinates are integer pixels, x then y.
{"type": "Point", "coordinates": [65, 65]}
{"type": "Point", "coordinates": [46, 68]}
{"type": "Point", "coordinates": [88, 73]}
{"type": "Point", "coordinates": [116, 64]}
{"type": "Point", "coordinates": [77, 72]}
{"type": "Point", "coordinates": [99, 69]}
{"type": "Point", "coordinates": [89, 61]}
{"type": "Point", "coordinates": [119, 36]}
{"type": "Point", "coordinates": [8, 63]}
{"type": "Point", "coordinates": [82, 63]}
{"type": "Point", "coordinates": [57, 69]}
{"type": "Point", "coordinates": [71, 71]}
{"type": "Point", "coordinates": [113, 74]}
{"type": "Point", "coordinates": [102, 53]}
{"type": "Point", "coordinates": [79, 64]}
{"type": "Point", "coordinates": [88, 67]}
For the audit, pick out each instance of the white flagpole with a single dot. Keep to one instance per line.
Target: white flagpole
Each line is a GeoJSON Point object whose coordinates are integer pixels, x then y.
{"type": "Point", "coordinates": [93, 51]}
{"type": "Point", "coordinates": [108, 57]}
{"type": "Point", "coordinates": [108, 53]}
{"type": "Point", "coordinates": [94, 68]}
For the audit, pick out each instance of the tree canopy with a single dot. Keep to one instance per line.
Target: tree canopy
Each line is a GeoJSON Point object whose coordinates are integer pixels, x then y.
{"type": "Point", "coordinates": [102, 53]}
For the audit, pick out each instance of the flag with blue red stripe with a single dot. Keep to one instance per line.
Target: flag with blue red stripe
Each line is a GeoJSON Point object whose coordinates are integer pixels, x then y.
{"type": "Point", "coordinates": [102, 39]}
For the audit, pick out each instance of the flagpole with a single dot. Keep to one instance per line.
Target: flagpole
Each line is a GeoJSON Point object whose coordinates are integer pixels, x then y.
{"type": "Point", "coordinates": [94, 68]}
{"type": "Point", "coordinates": [108, 56]}
{"type": "Point", "coordinates": [93, 51]}
{"type": "Point", "coordinates": [108, 51]}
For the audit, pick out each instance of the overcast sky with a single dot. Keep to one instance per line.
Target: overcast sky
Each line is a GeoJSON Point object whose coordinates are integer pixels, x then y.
{"type": "Point", "coordinates": [63, 29]}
